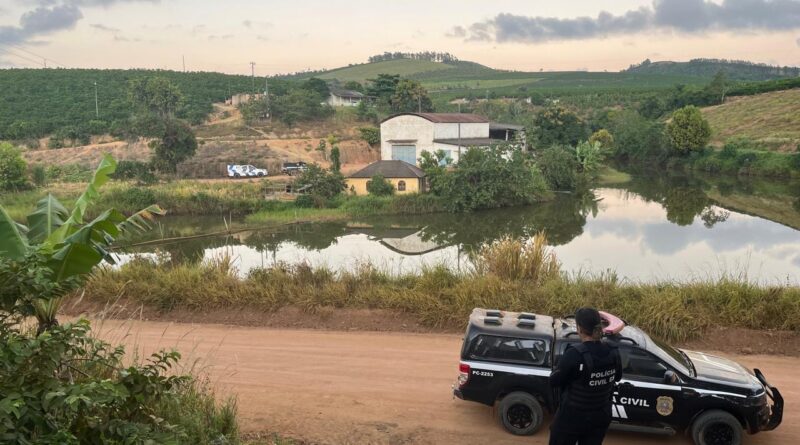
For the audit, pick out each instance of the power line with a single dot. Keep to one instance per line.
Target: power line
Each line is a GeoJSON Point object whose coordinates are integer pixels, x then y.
{"type": "Point", "coordinates": [45, 59]}
{"type": "Point", "coordinates": [9, 52]}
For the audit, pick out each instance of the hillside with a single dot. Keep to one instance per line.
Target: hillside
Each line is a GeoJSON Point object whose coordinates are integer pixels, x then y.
{"type": "Point", "coordinates": [38, 101]}
{"type": "Point", "coordinates": [734, 69]}
{"type": "Point", "coordinates": [403, 67]}
{"type": "Point", "coordinates": [773, 119]}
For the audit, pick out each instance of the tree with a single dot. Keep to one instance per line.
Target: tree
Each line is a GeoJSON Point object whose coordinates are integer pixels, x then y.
{"type": "Point", "coordinates": [177, 144]}
{"type": "Point", "coordinates": [155, 95]}
{"type": "Point", "coordinates": [718, 87]}
{"type": "Point", "coordinates": [336, 162]}
{"type": "Point", "coordinates": [321, 183]}
{"type": "Point", "coordinates": [558, 165]}
{"type": "Point", "coordinates": [589, 155]}
{"type": "Point", "coordinates": [379, 186]}
{"type": "Point", "coordinates": [556, 125]}
{"type": "Point", "coordinates": [637, 138]}
{"type": "Point", "coordinates": [12, 168]}
{"type": "Point", "coordinates": [651, 107]}
{"type": "Point", "coordinates": [688, 130]}
{"type": "Point", "coordinates": [318, 87]}
{"type": "Point", "coordinates": [371, 135]}
{"type": "Point", "coordinates": [602, 137]}
{"type": "Point", "coordinates": [383, 87]}
{"type": "Point", "coordinates": [352, 85]}
{"type": "Point", "coordinates": [410, 96]}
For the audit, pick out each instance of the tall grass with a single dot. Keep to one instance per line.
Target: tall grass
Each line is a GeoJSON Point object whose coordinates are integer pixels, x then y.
{"type": "Point", "coordinates": [513, 275]}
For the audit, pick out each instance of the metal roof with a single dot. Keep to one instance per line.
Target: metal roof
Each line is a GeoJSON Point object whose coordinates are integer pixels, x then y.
{"type": "Point", "coordinates": [501, 126]}
{"type": "Point", "coordinates": [446, 118]}
{"type": "Point", "coordinates": [470, 142]}
{"type": "Point", "coordinates": [389, 169]}
{"type": "Point", "coordinates": [346, 93]}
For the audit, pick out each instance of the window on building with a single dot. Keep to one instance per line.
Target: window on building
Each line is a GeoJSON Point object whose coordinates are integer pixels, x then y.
{"type": "Point", "coordinates": [406, 153]}
{"type": "Point", "coordinates": [448, 158]}
{"type": "Point", "coordinates": [401, 186]}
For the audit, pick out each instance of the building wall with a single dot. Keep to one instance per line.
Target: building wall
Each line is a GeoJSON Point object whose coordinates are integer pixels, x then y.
{"type": "Point", "coordinates": [359, 185]}
{"type": "Point", "coordinates": [450, 131]}
{"type": "Point", "coordinates": [406, 127]}
{"type": "Point", "coordinates": [336, 101]}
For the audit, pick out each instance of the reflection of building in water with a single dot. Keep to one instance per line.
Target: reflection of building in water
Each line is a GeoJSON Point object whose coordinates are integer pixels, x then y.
{"type": "Point", "coordinates": [405, 241]}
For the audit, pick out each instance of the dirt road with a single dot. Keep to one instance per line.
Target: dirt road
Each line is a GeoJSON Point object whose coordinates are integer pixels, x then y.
{"type": "Point", "coordinates": [371, 388]}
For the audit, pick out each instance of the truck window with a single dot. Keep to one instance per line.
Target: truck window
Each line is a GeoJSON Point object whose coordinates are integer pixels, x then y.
{"type": "Point", "coordinates": [640, 365]}
{"type": "Point", "coordinates": [507, 349]}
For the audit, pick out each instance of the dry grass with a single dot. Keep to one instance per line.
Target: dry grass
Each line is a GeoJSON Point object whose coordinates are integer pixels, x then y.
{"type": "Point", "coordinates": [439, 297]}
{"type": "Point", "coordinates": [772, 119]}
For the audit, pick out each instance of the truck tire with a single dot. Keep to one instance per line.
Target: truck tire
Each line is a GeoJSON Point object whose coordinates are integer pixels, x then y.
{"type": "Point", "coordinates": [520, 413]}
{"type": "Point", "coordinates": [717, 427]}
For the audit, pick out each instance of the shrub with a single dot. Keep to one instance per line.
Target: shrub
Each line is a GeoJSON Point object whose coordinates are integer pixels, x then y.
{"type": "Point", "coordinates": [379, 186]}
{"type": "Point", "coordinates": [322, 183]}
{"type": "Point", "coordinates": [557, 125]}
{"type": "Point", "coordinates": [304, 201]}
{"type": "Point", "coordinates": [603, 137]}
{"type": "Point", "coordinates": [39, 175]}
{"type": "Point", "coordinates": [558, 166]}
{"type": "Point", "coordinates": [371, 135]}
{"type": "Point", "coordinates": [142, 172]}
{"type": "Point", "coordinates": [688, 130]}
{"type": "Point", "coordinates": [13, 168]}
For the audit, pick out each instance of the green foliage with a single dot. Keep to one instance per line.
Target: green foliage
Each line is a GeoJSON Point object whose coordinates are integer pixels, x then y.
{"type": "Point", "coordinates": [379, 186]}
{"type": "Point", "coordinates": [371, 135]}
{"type": "Point", "coordinates": [141, 172]}
{"type": "Point", "coordinates": [736, 69]}
{"type": "Point", "coordinates": [556, 125]}
{"type": "Point", "coordinates": [383, 87]}
{"type": "Point", "coordinates": [558, 165]}
{"type": "Point", "coordinates": [321, 183]}
{"type": "Point", "coordinates": [155, 95]}
{"type": "Point", "coordinates": [410, 96]}
{"type": "Point", "coordinates": [13, 168]}
{"type": "Point", "coordinates": [485, 178]}
{"type": "Point", "coordinates": [602, 137]}
{"type": "Point", "coordinates": [590, 156]}
{"type": "Point", "coordinates": [177, 144]}
{"type": "Point", "coordinates": [688, 130]}
{"type": "Point", "coordinates": [336, 159]}
{"type": "Point", "coordinates": [68, 173]}
{"type": "Point", "coordinates": [638, 139]}
{"type": "Point", "coordinates": [299, 105]}
{"type": "Point", "coordinates": [39, 175]}
{"type": "Point", "coordinates": [304, 201]}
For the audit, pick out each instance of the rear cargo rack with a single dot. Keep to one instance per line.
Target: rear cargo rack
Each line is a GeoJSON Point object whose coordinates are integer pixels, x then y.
{"type": "Point", "coordinates": [492, 320]}
{"type": "Point", "coordinates": [526, 316]}
{"type": "Point", "coordinates": [494, 313]}
{"type": "Point", "coordinates": [526, 323]}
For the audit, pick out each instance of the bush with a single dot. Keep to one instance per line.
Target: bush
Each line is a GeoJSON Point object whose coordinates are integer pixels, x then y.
{"type": "Point", "coordinates": [13, 168]}
{"type": "Point", "coordinates": [304, 201]}
{"type": "Point", "coordinates": [142, 172]}
{"type": "Point", "coordinates": [603, 137]}
{"type": "Point", "coordinates": [688, 130]}
{"type": "Point", "coordinates": [638, 139]}
{"type": "Point", "coordinates": [39, 175]}
{"type": "Point", "coordinates": [371, 135]}
{"type": "Point", "coordinates": [558, 165]}
{"type": "Point", "coordinates": [379, 186]}
{"type": "Point", "coordinates": [320, 182]}
{"type": "Point", "coordinates": [556, 125]}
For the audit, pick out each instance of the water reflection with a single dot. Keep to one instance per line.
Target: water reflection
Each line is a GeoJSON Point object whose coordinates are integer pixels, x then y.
{"type": "Point", "coordinates": [655, 226]}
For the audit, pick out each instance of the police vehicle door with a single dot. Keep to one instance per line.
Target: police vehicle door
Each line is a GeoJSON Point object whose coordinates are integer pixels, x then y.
{"type": "Point", "coordinates": [644, 396]}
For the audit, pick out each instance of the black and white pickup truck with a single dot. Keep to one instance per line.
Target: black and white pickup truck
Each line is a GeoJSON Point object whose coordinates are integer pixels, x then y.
{"type": "Point", "coordinates": [507, 357]}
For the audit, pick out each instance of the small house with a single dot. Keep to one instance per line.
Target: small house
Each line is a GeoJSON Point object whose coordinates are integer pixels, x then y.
{"type": "Point", "coordinates": [404, 177]}
{"type": "Point", "coordinates": [344, 98]}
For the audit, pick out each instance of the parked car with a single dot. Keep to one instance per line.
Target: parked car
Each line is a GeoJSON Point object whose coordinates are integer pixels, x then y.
{"type": "Point", "coordinates": [507, 358]}
{"type": "Point", "coordinates": [245, 171]}
{"type": "Point", "coordinates": [293, 168]}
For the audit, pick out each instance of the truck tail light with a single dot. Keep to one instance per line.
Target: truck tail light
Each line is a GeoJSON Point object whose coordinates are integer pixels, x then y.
{"type": "Point", "coordinates": [463, 374]}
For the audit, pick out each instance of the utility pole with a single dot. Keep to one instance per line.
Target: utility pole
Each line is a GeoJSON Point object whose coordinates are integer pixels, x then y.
{"type": "Point", "coordinates": [253, 75]}
{"type": "Point", "coordinates": [419, 103]}
{"type": "Point", "coordinates": [96, 106]}
{"type": "Point", "coordinates": [183, 58]}
{"type": "Point", "coordinates": [266, 94]}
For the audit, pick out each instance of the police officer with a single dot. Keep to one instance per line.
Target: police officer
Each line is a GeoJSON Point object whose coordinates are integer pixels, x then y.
{"type": "Point", "coordinates": [585, 376]}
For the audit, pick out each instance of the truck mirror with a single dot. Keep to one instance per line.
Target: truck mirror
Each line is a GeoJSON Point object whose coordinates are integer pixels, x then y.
{"type": "Point", "coordinates": [670, 377]}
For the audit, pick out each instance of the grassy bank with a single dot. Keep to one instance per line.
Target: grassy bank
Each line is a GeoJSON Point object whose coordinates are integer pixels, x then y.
{"type": "Point", "coordinates": [746, 162]}
{"type": "Point", "coordinates": [509, 276]}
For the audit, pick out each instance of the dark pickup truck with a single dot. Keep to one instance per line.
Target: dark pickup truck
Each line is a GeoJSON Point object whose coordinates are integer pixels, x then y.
{"type": "Point", "coordinates": [293, 168]}
{"type": "Point", "coordinates": [507, 358]}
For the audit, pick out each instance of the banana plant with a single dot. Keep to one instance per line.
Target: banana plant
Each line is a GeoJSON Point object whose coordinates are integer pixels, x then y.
{"type": "Point", "coordinates": [63, 246]}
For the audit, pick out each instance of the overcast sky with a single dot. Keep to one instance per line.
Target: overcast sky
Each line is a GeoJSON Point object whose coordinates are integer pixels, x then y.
{"type": "Point", "coordinates": [286, 36]}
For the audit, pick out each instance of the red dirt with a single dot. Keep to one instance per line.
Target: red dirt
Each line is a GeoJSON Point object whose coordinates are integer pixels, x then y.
{"type": "Point", "coordinates": [366, 387]}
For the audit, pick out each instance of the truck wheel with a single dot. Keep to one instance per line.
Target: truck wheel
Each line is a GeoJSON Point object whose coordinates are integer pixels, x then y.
{"type": "Point", "coordinates": [717, 427]}
{"type": "Point", "coordinates": [520, 413]}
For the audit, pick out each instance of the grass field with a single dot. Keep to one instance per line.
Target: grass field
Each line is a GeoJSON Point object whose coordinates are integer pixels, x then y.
{"type": "Point", "coordinates": [770, 119]}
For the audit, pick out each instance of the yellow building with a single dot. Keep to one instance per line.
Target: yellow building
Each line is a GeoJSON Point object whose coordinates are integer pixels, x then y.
{"type": "Point", "coordinates": [404, 177]}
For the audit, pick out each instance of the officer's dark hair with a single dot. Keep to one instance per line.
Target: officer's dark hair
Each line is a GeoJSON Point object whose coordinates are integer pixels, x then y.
{"type": "Point", "coordinates": [589, 322]}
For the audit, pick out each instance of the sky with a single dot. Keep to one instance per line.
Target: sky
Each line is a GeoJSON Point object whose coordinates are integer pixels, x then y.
{"type": "Point", "coordinates": [288, 36]}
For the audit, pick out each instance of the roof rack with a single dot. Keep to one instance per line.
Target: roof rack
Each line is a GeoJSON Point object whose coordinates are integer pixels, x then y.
{"type": "Point", "coordinates": [526, 323]}
{"type": "Point", "coordinates": [494, 313]}
{"type": "Point", "coordinates": [526, 316]}
{"type": "Point", "coordinates": [492, 320]}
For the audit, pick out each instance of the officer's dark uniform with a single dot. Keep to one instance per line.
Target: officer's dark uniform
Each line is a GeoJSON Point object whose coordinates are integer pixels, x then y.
{"type": "Point", "coordinates": [585, 375]}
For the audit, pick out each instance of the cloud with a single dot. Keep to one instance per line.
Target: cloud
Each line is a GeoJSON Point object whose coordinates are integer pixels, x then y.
{"type": "Point", "coordinates": [220, 37]}
{"type": "Point", "coordinates": [42, 20]}
{"type": "Point", "coordinates": [798, 41]}
{"type": "Point", "coordinates": [104, 28]}
{"type": "Point", "coordinates": [256, 24]}
{"type": "Point", "coordinates": [685, 16]}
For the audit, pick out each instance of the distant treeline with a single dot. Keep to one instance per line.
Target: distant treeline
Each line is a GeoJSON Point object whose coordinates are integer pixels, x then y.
{"type": "Point", "coordinates": [430, 56]}
{"type": "Point", "coordinates": [38, 102]}
{"type": "Point", "coordinates": [734, 69]}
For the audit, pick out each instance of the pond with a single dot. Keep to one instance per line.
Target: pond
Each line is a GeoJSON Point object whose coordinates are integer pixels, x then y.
{"type": "Point", "coordinates": [654, 227]}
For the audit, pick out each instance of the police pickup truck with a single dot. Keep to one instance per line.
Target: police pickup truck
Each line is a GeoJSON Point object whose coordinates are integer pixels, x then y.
{"type": "Point", "coordinates": [507, 357]}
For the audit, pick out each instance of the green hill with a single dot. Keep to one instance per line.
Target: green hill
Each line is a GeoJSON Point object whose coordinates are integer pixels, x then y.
{"type": "Point", "coordinates": [772, 120]}
{"type": "Point", "coordinates": [734, 69]}
{"type": "Point", "coordinates": [39, 101]}
{"type": "Point", "coordinates": [403, 67]}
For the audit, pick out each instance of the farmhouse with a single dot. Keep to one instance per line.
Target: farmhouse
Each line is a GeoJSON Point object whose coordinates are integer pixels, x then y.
{"type": "Point", "coordinates": [344, 98]}
{"type": "Point", "coordinates": [406, 136]}
{"type": "Point", "coordinates": [404, 177]}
